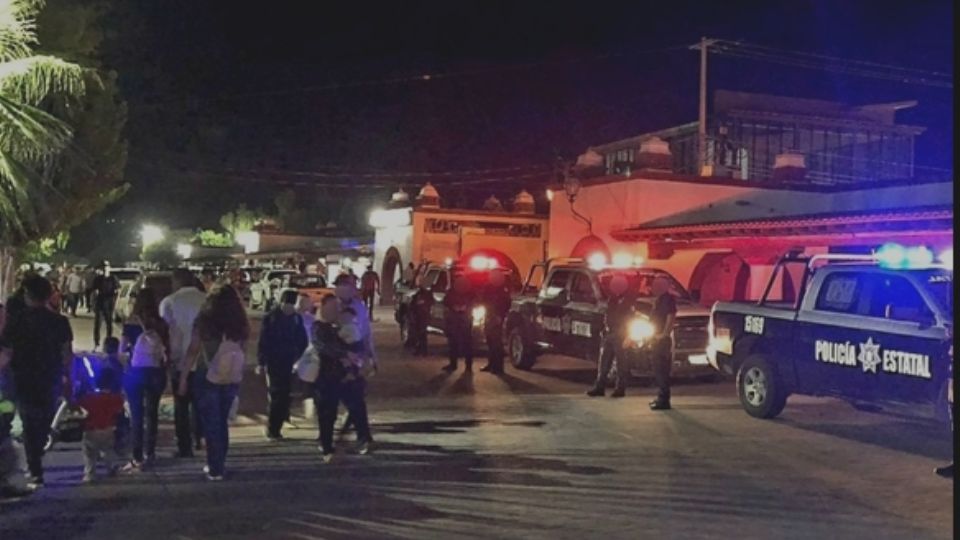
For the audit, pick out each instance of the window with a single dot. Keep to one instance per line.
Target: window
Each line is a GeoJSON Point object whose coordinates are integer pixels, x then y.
{"type": "Point", "coordinates": [895, 298]}
{"type": "Point", "coordinates": [556, 285]}
{"type": "Point", "coordinates": [442, 282]}
{"type": "Point", "coordinates": [582, 289]}
{"type": "Point", "coordinates": [431, 278]}
{"type": "Point", "coordinates": [839, 293]}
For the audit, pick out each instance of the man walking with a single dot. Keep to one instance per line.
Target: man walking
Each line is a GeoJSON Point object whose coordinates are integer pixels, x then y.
{"type": "Point", "coordinates": [496, 301]}
{"type": "Point", "coordinates": [37, 344]}
{"type": "Point", "coordinates": [180, 310]}
{"type": "Point", "coordinates": [74, 289]}
{"type": "Point", "coordinates": [663, 315]}
{"type": "Point", "coordinates": [282, 340]}
{"type": "Point", "coordinates": [420, 306]}
{"type": "Point", "coordinates": [369, 288]}
{"type": "Point", "coordinates": [105, 288]}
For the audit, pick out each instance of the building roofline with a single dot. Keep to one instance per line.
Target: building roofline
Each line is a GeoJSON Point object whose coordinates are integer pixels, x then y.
{"type": "Point", "coordinates": [482, 213]}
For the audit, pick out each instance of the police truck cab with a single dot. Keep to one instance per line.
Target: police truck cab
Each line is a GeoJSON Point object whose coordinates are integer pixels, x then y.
{"type": "Point", "coordinates": [872, 330]}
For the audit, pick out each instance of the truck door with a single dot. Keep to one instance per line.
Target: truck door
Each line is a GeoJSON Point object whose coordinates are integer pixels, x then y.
{"type": "Point", "coordinates": [827, 334]}
{"type": "Point", "coordinates": [903, 360]}
{"type": "Point", "coordinates": [584, 313]}
{"type": "Point", "coordinates": [551, 304]}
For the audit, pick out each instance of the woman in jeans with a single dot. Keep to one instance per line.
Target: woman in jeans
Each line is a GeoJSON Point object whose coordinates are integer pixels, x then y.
{"type": "Point", "coordinates": [146, 339]}
{"type": "Point", "coordinates": [222, 317]}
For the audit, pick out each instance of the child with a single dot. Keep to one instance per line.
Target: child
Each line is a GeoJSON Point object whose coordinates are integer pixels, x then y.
{"type": "Point", "coordinates": [103, 407]}
{"type": "Point", "coordinates": [111, 348]}
{"type": "Point", "coordinates": [356, 361]}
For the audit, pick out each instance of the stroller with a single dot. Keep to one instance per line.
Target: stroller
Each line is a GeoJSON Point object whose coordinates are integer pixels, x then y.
{"type": "Point", "coordinates": [67, 425]}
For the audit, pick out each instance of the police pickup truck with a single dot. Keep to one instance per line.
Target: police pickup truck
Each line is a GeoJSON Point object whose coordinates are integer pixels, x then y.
{"type": "Point", "coordinates": [876, 336]}
{"type": "Point", "coordinates": [438, 278]}
{"type": "Point", "coordinates": [567, 316]}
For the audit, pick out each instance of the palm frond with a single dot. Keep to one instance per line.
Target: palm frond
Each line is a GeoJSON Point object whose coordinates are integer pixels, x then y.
{"type": "Point", "coordinates": [30, 134]}
{"type": "Point", "coordinates": [18, 29]}
{"type": "Point", "coordinates": [17, 183]}
{"type": "Point", "coordinates": [29, 80]}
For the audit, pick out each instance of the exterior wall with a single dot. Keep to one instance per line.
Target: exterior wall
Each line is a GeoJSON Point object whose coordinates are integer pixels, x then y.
{"type": "Point", "coordinates": [400, 238]}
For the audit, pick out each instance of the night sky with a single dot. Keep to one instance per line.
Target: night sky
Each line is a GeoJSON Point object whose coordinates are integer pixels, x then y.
{"type": "Point", "coordinates": [224, 91]}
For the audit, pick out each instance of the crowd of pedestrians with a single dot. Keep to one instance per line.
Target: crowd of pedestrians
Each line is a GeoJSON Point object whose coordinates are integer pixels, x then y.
{"type": "Point", "coordinates": [194, 339]}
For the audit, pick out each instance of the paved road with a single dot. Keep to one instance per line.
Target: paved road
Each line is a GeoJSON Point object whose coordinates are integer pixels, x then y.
{"type": "Point", "coordinates": [527, 455]}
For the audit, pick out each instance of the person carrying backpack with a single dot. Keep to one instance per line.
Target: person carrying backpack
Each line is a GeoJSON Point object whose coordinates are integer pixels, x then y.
{"type": "Point", "coordinates": [283, 339]}
{"type": "Point", "coordinates": [216, 357]}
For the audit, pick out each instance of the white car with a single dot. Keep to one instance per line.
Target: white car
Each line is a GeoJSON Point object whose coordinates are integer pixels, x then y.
{"type": "Point", "coordinates": [263, 292]}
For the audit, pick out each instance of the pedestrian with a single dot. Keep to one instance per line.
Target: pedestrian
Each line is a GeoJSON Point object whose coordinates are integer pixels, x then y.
{"type": "Point", "coordinates": [496, 303]}
{"type": "Point", "coordinates": [74, 290]}
{"type": "Point", "coordinates": [345, 289]}
{"type": "Point", "coordinates": [327, 387]}
{"type": "Point", "coordinates": [946, 471]}
{"type": "Point", "coordinates": [111, 358]}
{"type": "Point", "coordinates": [282, 341]}
{"type": "Point", "coordinates": [409, 275]}
{"type": "Point", "coordinates": [369, 288]}
{"type": "Point", "coordinates": [105, 288]}
{"type": "Point", "coordinates": [620, 309]}
{"type": "Point", "coordinates": [89, 276]}
{"type": "Point", "coordinates": [179, 310]}
{"type": "Point", "coordinates": [420, 305]}
{"type": "Point", "coordinates": [37, 345]}
{"type": "Point", "coordinates": [9, 456]}
{"type": "Point", "coordinates": [459, 323]}
{"type": "Point", "coordinates": [662, 317]}
{"type": "Point", "coordinates": [307, 312]}
{"type": "Point", "coordinates": [103, 406]}
{"type": "Point", "coordinates": [146, 378]}
{"type": "Point", "coordinates": [219, 336]}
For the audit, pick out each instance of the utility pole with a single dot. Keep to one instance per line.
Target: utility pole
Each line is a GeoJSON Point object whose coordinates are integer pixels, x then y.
{"type": "Point", "coordinates": [702, 117]}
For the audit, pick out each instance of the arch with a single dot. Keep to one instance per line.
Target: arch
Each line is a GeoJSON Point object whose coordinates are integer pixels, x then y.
{"type": "Point", "coordinates": [589, 245]}
{"type": "Point", "coordinates": [515, 280]}
{"type": "Point", "coordinates": [389, 274]}
{"type": "Point", "coordinates": [720, 277]}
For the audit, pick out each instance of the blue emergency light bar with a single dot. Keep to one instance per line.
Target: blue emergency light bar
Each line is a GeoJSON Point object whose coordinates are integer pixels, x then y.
{"type": "Point", "coordinates": [892, 255]}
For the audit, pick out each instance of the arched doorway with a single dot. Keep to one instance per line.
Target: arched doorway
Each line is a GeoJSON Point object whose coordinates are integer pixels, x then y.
{"type": "Point", "coordinates": [515, 280]}
{"type": "Point", "coordinates": [389, 274]}
{"type": "Point", "coordinates": [720, 277]}
{"type": "Point", "coordinates": [589, 245]}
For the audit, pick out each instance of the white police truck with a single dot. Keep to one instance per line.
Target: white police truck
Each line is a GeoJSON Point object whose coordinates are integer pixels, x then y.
{"type": "Point", "coordinates": [876, 335]}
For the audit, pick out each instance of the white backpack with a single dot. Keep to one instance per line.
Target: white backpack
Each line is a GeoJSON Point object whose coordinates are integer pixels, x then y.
{"type": "Point", "coordinates": [226, 366]}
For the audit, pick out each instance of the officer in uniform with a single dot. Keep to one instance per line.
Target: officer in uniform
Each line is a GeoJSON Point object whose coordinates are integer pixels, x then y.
{"type": "Point", "coordinates": [459, 307]}
{"type": "Point", "coordinates": [496, 300]}
{"type": "Point", "coordinates": [420, 305]}
{"type": "Point", "coordinates": [663, 315]}
{"type": "Point", "coordinates": [619, 312]}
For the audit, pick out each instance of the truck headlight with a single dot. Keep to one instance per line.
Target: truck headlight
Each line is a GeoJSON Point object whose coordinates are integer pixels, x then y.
{"type": "Point", "coordinates": [479, 314]}
{"type": "Point", "coordinates": [640, 330]}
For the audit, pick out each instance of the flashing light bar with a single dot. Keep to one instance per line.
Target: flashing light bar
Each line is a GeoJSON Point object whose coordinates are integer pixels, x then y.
{"type": "Point", "coordinates": [598, 261]}
{"type": "Point", "coordinates": [480, 262]}
{"type": "Point", "coordinates": [946, 258]}
{"type": "Point", "coordinates": [892, 255]}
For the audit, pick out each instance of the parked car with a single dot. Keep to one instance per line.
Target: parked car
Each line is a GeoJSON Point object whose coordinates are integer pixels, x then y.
{"type": "Point", "coordinates": [312, 285]}
{"type": "Point", "coordinates": [263, 291]}
{"type": "Point", "coordinates": [125, 275]}
{"type": "Point", "coordinates": [160, 282]}
{"type": "Point", "coordinates": [875, 336]}
{"type": "Point", "coordinates": [567, 316]}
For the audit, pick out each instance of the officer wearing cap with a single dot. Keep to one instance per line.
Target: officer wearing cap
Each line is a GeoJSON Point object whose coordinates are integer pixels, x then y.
{"type": "Point", "coordinates": [496, 302]}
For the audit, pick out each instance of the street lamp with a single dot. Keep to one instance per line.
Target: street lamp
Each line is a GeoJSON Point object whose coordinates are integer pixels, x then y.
{"type": "Point", "coordinates": [151, 234]}
{"type": "Point", "coordinates": [184, 251]}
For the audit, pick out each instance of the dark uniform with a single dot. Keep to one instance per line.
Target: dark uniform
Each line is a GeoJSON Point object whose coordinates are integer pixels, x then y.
{"type": "Point", "coordinates": [620, 310]}
{"type": "Point", "coordinates": [106, 288]}
{"type": "Point", "coordinates": [459, 323]}
{"type": "Point", "coordinates": [662, 349]}
{"type": "Point", "coordinates": [420, 306]}
{"type": "Point", "coordinates": [282, 341]}
{"type": "Point", "coordinates": [496, 300]}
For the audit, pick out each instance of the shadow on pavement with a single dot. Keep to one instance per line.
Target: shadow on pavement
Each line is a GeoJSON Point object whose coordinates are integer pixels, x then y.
{"type": "Point", "coordinates": [919, 439]}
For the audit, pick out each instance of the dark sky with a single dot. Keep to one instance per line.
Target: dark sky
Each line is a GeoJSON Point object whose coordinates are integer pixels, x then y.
{"type": "Point", "coordinates": [217, 86]}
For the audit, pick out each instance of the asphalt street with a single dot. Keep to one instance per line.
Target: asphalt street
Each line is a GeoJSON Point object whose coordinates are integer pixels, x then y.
{"type": "Point", "coordinates": [523, 455]}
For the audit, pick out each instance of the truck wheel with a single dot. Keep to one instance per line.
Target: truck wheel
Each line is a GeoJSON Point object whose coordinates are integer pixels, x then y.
{"type": "Point", "coordinates": [761, 391]}
{"type": "Point", "coordinates": [520, 354]}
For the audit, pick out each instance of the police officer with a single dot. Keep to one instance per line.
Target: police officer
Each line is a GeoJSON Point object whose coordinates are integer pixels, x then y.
{"type": "Point", "coordinates": [459, 311]}
{"type": "Point", "coordinates": [663, 315]}
{"type": "Point", "coordinates": [282, 340]}
{"type": "Point", "coordinates": [619, 312]}
{"type": "Point", "coordinates": [420, 305]}
{"type": "Point", "coordinates": [496, 300]}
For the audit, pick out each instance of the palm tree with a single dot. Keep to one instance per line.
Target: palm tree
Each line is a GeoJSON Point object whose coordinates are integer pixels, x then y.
{"type": "Point", "coordinates": [30, 138]}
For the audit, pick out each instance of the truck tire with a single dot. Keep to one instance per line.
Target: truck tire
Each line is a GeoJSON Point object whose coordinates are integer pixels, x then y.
{"type": "Point", "coordinates": [521, 354]}
{"type": "Point", "coordinates": [761, 391]}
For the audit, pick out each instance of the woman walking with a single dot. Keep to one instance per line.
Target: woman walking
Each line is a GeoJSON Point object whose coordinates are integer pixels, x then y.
{"type": "Point", "coordinates": [220, 334]}
{"type": "Point", "coordinates": [327, 389]}
{"type": "Point", "coordinates": [146, 338]}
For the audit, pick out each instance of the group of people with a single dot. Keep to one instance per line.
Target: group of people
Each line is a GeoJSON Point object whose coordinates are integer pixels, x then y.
{"type": "Point", "coordinates": [185, 339]}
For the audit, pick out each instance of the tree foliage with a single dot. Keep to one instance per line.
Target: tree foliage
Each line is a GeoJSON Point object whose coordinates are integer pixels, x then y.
{"type": "Point", "coordinates": [211, 238]}
{"type": "Point", "coordinates": [162, 254]}
{"type": "Point", "coordinates": [240, 220]}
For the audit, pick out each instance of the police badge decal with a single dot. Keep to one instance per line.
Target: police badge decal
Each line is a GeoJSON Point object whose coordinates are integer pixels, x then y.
{"type": "Point", "coordinates": [869, 356]}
